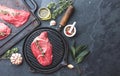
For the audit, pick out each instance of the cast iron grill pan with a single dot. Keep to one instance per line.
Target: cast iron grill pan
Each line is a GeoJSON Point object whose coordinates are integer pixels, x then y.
{"type": "Point", "coordinates": [60, 51]}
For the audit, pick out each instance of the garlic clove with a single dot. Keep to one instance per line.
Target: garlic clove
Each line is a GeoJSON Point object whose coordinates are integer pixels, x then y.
{"type": "Point", "coordinates": [52, 23]}
{"type": "Point", "coordinates": [70, 66]}
{"type": "Point", "coordinates": [13, 54]}
{"type": "Point", "coordinates": [16, 54]}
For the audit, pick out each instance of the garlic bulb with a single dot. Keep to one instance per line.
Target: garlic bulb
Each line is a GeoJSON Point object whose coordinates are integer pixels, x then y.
{"type": "Point", "coordinates": [70, 66]}
{"type": "Point", "coordinates": [52, 23]}
{"type": "Point", "coordinates": [16, 58]}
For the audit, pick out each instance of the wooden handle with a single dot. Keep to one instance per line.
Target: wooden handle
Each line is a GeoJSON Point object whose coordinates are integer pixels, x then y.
{"type": "Point", "coordinates": [66, 16]}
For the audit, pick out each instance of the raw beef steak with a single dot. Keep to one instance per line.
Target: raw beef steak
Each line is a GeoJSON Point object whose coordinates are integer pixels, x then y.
{"type": "Point", "coordinates": [13, 16]}
{"type": "Point", "coordinates": [42, 49]}
{"type": "Point", "coordinates": [4, 31]}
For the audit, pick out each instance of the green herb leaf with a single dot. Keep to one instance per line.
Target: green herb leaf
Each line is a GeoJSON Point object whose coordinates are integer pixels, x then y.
{"type": "Point", "coordinates": [51, 5]}
{"type": "Point", "coordinates": [79, 52]}
{"type": "Point", "coordinates": [81, 56]}
{"type": "Point", "coordinates": [7, 54]}
{"type": "Point", "coordinates": [73, 43]}
{"type": "Point", "coordinates": [73, 52]}
{"type": "Point", "coordinates": [58, 8]}
{"type": "Point", "coordinates": [80, 48]}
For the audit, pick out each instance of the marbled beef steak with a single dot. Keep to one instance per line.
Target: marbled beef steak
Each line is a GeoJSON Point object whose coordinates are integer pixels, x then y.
{"type": "Point", "coordinates": [14, 16]}
{"type": "Point", "coordinates": [4, 31]}
{"type": "Point", "coordinates": [42, 49]}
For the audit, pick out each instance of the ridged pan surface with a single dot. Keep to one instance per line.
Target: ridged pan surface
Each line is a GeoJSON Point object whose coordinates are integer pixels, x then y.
{"type": "Point", "coordinates": [60, 50]}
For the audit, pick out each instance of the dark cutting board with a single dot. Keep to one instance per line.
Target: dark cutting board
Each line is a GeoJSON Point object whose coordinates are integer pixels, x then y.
{"type": "Point", "coordinates": [17, 33]}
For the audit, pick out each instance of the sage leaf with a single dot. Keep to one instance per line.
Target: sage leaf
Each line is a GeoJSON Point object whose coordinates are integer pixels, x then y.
{"type": "Point", "coordinates": [80, 48]}
{"type": "Point", "coordinates": [81, 56]}
{"type": "Point", "coordinates": [73, 51]}
{"type": "Point", "coordinates": [73, 43]}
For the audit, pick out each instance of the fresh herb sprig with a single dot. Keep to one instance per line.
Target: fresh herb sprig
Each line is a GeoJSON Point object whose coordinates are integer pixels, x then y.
{"type": "Point", "coordinates": [7, 54]}
{"type": "Point", "coordinates": [2, 34]}
{"type": "Point", "coordinates": [40, 48]}
{"type": "Point", "coordinates": [79, 52]}
{"type": "Point", "coordinates": [58, 8]}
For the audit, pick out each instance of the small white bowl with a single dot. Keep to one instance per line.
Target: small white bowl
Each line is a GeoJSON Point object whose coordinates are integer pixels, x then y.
{"type": "Point", "coordinates": [43, 9]}
{"type": "Point", "coordinates": [68, 35]}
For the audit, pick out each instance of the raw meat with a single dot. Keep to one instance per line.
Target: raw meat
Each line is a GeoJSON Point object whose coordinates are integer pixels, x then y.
{"type": "Point", "coordinates": [4, 31]}
{"type": "Point", "coordinates": [13, 16]}
{"type": "Point", "coordinates": [42, 49]}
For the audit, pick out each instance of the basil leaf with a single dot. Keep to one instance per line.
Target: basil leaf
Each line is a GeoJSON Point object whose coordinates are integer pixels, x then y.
{"type": "Point", "coordinates": [81, 56]}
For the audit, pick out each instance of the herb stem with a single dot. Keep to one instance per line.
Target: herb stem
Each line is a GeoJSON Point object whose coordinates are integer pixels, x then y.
{"type": "Point", "coordinates": [39, 47]}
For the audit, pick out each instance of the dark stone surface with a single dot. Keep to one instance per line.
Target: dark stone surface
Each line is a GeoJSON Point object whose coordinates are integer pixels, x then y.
{"type": "Point", "coordinates": [97, 26]}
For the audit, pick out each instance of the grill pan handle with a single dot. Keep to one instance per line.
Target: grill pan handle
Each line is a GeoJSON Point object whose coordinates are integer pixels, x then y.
{"type": "Point", "coordinates": [29, 7]}
{"type": "Point", "coordinates": [33, 70]}
{"type": "Point", "coordinates": [64, 63]}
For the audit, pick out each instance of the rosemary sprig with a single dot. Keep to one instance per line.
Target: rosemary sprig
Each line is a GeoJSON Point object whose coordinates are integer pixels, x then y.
{"type": "Point", "coordinates": [7, 54]}
{"type": "Point", "coordinates": [3, 12]}
{"type": "Point", "coordinates": [2, 34]}
{"type": "Point", "coordinates": [51, 5]}
{"type": "Point", "coordinates": [39, 47]}
{"type": "Point", "coordinates": [58, 8]}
